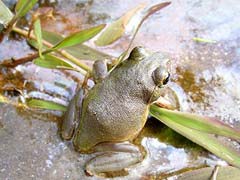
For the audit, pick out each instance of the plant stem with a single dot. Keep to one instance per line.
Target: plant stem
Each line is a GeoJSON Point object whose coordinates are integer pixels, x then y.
{"type": "Point", "coordinates": [33, 56]}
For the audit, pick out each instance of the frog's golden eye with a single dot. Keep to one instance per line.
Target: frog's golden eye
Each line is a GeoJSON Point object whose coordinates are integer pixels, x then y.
{"type": "Point", "coordinates": [160, 76]}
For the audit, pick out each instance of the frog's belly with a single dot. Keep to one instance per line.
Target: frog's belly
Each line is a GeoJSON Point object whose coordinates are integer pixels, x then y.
{"type": "Point", "coordinates": [108, 123]}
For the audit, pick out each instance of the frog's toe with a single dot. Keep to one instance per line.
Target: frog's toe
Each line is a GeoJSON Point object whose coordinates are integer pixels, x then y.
{"type": "Point", "coordinates": [112, 162]}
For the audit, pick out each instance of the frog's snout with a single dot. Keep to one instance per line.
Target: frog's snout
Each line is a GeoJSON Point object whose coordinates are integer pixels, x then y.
{"type": "Point", "coordinates": [160, 76]}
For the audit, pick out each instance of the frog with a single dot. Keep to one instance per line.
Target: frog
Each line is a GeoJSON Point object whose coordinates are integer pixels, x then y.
{"type": "Point", "coordinates": [108, 117]}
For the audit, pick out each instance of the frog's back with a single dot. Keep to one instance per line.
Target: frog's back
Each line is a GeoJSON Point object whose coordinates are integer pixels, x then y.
{"type": "Point", "coordinates": [112, 115]}
{"type": "Point", "coordinates": [117, 108]}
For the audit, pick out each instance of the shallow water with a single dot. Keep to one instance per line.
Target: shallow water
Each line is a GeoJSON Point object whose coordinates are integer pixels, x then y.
{"type": "Point", "coordinates": [206, 77]}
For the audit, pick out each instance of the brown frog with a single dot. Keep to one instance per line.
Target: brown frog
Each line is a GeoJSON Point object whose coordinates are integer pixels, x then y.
{"type": "Point", "coordinates": [114, 111]}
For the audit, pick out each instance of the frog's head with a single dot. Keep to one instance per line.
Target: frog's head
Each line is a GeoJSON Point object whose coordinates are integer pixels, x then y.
{"type": "Point", "coordinates": [151, 70]}
{"type": "Point", "coordinates": [156, 63]}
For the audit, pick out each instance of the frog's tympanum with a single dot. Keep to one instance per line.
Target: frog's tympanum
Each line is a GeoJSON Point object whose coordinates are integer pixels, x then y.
{"type": "Point", "coordinates": [114, 111]}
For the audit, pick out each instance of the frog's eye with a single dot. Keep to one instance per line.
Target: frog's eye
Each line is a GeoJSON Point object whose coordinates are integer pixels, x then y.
{"type": "Point", "coordinates": [160, 76]}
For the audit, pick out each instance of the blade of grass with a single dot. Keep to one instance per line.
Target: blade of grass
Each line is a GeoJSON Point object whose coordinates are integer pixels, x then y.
{"type": "Point", "coordinates": [23, 6]}
{"type": "Point", "coordinates": [38, 34]}
{"type": "Point", "coordinates": [82, 68]}
{"type": "Point", "coordinates": [208, 141]}
{"type": "Point", "coordinates": [79, 51]}
{"type": "Point", "coordinates": [52, 62]}
{"type": "Point", "coordinates": [224, 173]}
{"type": "Point", "coordinates": [84, 52]}
{"type": "Point", "coordinates": [200, 123]}
{"type": "Point", "coordinates": [114, 31]}
{"type": "Point", "coordinates": [5, 14]}
{"type": "Point", "coordinates": [201, 40]}
{"type": "Point", "coordinates": [77, 38]}
{"type": "Point", "coordinates": [37, 103]}
{"type": "Point", "coordinates": [144, 16]}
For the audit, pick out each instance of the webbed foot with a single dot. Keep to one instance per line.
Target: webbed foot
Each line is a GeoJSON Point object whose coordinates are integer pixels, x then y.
{"type": "Point", "coordinates": [114, 157]}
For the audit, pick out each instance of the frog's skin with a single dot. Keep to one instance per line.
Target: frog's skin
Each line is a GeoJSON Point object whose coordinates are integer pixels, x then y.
{"type": "Point", "coordinates": [115, 110]}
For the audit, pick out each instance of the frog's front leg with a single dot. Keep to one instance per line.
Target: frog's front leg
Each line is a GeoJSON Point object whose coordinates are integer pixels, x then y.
{"type": "Point", "coordinates": [73, 113]}
{"type": "Point", "coordinates": [114, 157]}
{"type": "Point", "coordinates": [100, 71]}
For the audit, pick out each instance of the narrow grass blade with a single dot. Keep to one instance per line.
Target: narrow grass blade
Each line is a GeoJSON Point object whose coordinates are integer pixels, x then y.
{"type": "Point", "coordinates": [154, 9]}
{"type": "Point", "coordinates": [117, 28]}
{"type": "Point", "coordinates": [200, 123]}
{"type": "Point", "coordinates": [208, 141]}
{"type": "Point", "coordinates": [224, 173]}
{"type": "Point", "coordinates": [38, 33]}
{"type": "Point", "coordinates": [52, 62]}
{"type": "Point", "coordinates": [202, 40]}
{"type": "Point", "coordinates": [5, 14]}
{"type": "Point", "coordinates": [79, 51]}
{"type": "Point", "coordinates": [78, 38]}
{"type": "Point", "coordinates": [23, 6]}
{"type": "Point", "coordinates": [143, 16]}
{"type": "Point", "coordinates": [37, 103]}
{"type": "Point", "coordinates": [84, 52]}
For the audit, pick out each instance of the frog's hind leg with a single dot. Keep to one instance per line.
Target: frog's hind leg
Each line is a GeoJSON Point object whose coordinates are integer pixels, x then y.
{"type": "Point", "coordinates": [73, 113]}
{"type": "Point", "coordinates": [114, 159]}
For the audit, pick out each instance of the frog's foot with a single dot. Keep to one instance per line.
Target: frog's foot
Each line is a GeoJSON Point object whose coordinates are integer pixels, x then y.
{"type": "Point", "coordinates": [114, 159]}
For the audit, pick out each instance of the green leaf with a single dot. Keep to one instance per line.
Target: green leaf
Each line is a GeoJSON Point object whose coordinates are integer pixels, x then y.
{"type": "Point", "coordinates": [117, 28]}
{"type": "Point", "coordinates": [34, 44]}
{"type": "Point", "coordinates": [84, 52]}
{"type": "Point", "coordinates": [52, 37]}
{"type": "Point", "coordinates": [224, 173]}
{"type": "Point", "coordinates": [79, 51]}
{"type": "Point", "coordinates": [144, 15]}
{"type": "Point", "coordinates": [78, 38]}
{"type": "Point", "coordinates": [200, 123]}
{"type": "Point", "coordinates": [23, 6]}
{"type": "Point", "coordinates": [206, 140]}
{"type": "Point", "coordinates": [5, 14]}
{"type": "Point", "coordinates": [153, 10]}
{"type": "Point", "coordinates": [37, 103]}
{"type": "Point", "coordinates": [201, 40]}
{"type": "Point", "coordinates": [38, 33]}
{"type": "Point", "coordinates": [52, 62]}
